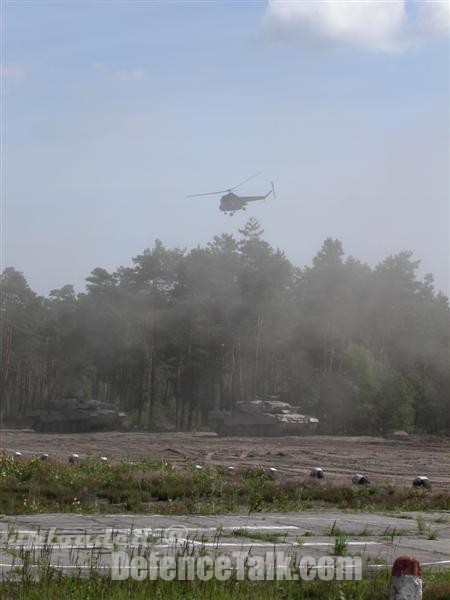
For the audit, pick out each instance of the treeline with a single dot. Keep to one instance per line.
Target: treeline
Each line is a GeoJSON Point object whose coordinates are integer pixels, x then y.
{"type": "Point", "coordinates": [180, 333]}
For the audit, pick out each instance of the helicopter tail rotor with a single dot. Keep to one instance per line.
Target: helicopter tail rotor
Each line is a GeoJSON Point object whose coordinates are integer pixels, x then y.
{"type": "Point", "coordinates": [273, 190]}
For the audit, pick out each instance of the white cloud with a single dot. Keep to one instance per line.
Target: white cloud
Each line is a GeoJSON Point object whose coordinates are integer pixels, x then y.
{"type": "Point", "coordinates": [380, 25]}
{"type": "Point", "coordinates": [434, 18]}
{"type": "Point", "coordinates": [135, 74]}
{"type": "Point", "coordinates": [15, 73]}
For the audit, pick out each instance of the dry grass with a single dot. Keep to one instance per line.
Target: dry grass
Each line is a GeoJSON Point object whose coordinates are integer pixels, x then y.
{"type": "Point", "coordinates": [33, 486]}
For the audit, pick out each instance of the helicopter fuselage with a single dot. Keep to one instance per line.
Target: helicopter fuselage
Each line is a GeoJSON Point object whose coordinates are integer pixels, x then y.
{"type": "Point", "coordinates": [231, 202]}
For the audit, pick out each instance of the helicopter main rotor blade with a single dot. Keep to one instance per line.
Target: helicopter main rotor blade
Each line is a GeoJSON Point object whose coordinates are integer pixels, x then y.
{"type": "Point", "coordinates": [245, 181]}
{"type": "Point", "coordinates": [207, 194]}
{"type": "Point", "coordinates": [225, 191]}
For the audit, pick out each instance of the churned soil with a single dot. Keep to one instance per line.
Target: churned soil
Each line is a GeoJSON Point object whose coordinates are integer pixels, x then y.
{"type": "Point", "coordinates": [398, 459]}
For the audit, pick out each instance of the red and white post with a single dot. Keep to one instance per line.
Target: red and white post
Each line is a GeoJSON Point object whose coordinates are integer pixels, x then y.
{"type": "Point", "coordinates": [406, 579]}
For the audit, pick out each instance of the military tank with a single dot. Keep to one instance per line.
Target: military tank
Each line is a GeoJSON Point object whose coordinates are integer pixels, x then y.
{"type": "Point", "coordinates": [73, 415]}
{"type": "Point", "coordinates": [262, 417]}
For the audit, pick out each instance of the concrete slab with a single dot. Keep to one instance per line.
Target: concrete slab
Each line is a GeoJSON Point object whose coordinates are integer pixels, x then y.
{"type": "Point", "coordinates": [77, 543]}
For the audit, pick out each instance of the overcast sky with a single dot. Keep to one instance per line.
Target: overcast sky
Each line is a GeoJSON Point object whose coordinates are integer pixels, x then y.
{"type": "Point", "coordinates": [114, 111]}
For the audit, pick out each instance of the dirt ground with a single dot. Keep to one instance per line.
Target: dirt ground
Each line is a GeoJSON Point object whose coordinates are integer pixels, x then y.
{"type": "Point", "coordinates": [381, 459]}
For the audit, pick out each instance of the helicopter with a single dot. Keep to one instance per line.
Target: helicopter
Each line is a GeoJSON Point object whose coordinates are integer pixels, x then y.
{"type": "Point", "coordinates": [231, 202]}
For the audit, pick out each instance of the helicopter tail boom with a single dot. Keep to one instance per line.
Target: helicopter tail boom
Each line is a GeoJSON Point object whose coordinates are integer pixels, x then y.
{"type": "Point", "coordinates": [255, 198]}
{"type": "Point", "coordinates": [252, 198]}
